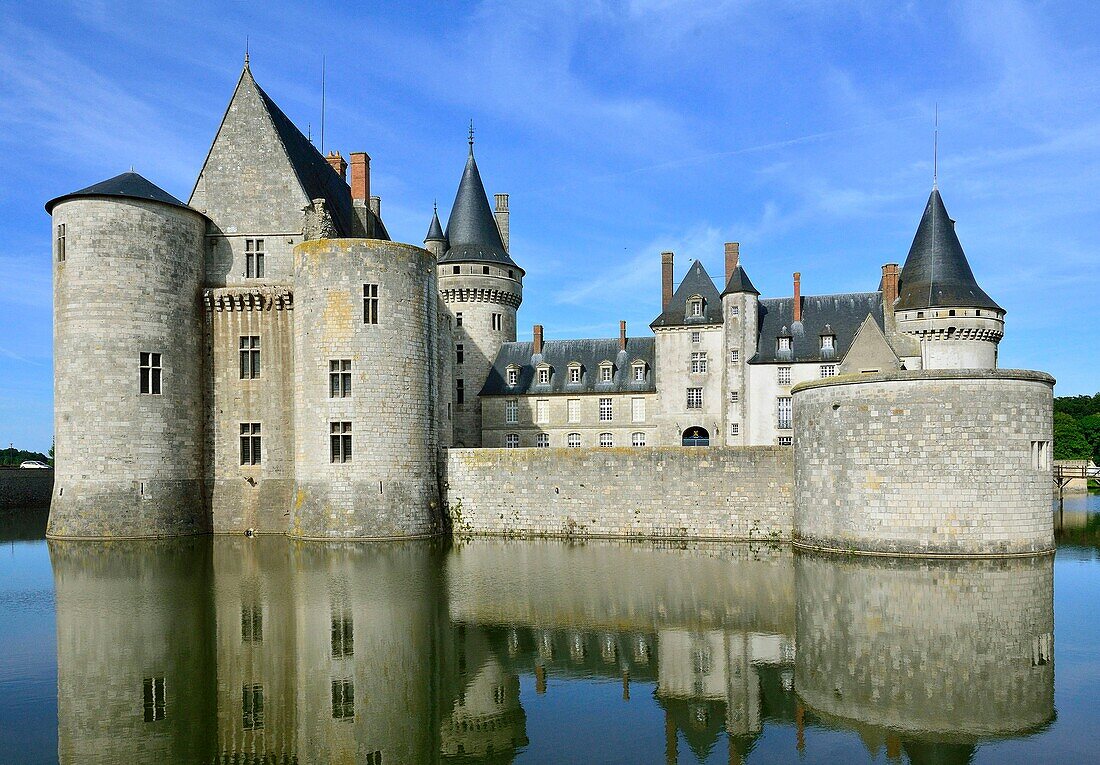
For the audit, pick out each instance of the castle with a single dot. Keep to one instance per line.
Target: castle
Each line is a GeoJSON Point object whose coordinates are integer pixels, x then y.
{"type": "Point", "coordinates": [264, 357]}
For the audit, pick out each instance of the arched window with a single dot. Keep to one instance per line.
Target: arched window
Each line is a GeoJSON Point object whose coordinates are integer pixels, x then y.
{"type": "Point", "coordinates": [696, 436]}
{"type": "Point", "coordinates": [511, 441]}
{"type": "Point", "coordinates": [637, 439]}
{"type": "Point", "coordinates": [542, 440]}
{"type": "Point", "coordinates": [606, 439]}
{"type": "Point", "coordinates": [573, 440]}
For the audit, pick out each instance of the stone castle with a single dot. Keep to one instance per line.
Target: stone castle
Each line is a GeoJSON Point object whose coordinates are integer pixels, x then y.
{"type": "Point", "coordinates": [264, 357]}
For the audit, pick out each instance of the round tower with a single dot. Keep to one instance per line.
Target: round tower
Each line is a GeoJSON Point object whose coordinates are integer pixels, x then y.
{"type": "Point", "coordinates": [365, 358]}
{"type": "Point", "coordinates": [740, 308]}
{"type": "Point", "coordinates": [482, 289]}
{"type": "Point", "coordinates": [128, 362]}
{"type": "Point", "coordinates": [940, 302]}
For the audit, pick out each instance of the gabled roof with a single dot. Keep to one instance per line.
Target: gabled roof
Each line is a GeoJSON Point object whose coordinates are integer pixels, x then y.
{"type": "Point", "coordinates": [696, 282]}
{"type": "Point", "coordinates": [128, 185]}
{"type": "Point", "coordinates": [559, 354]}
{"type": "Point", "coordinates": [435, 231]}
{"type": "Point", "coordinates": [472, 231]}
{"type": "Point", "coordinates": [739, 282]}
{"type": "Point", "coordinates": [936, 273]}
{"type": "Point", "coordinates": [843, 313]}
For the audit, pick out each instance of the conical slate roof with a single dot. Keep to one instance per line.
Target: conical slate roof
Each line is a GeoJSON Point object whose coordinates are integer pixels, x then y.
{"type": "Point", "coordinates": [472, 231]}
{"type": "Point", "coordinates": [435, 231]}
{"type": "Point", "coordinates": [696, 282]}
{"type": "Point", "coordinates": [129, 185]}
{"type": "Point", "coordinates": [739, 282]}
{"type": "Point", "coordinates": [936, 273]}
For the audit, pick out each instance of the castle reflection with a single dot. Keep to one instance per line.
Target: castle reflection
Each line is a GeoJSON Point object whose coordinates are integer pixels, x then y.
{"type": "Point", "coordinates": [267, 651]}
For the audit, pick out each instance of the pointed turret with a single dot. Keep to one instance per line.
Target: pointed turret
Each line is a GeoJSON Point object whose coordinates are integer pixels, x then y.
{"type": "Point", "coordinates": [436, 241]}
{"type": "Point", "coordinates": [472, 233]}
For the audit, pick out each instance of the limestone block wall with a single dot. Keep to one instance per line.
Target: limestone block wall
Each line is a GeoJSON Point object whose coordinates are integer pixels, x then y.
{"type": "Point", "coordinates": [925, 462]}
{"type": "Point", "coordinates": [662, 492]}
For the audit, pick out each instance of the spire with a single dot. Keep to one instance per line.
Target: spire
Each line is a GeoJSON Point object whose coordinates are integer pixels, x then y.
{"type": "Point", "coordinates": [739, 282]}
{"type": "Point", "coordinates": [472, 232]}
{"type": "Point", "coordinates": [435, 231]}
{"type": "Point", "coordinates": [936, 273]}
{"type": "Point", "coordinates": [471, 139]}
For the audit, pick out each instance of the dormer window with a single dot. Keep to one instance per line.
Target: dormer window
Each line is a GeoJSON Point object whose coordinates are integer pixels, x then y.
{"type": "Point", "coordinates": [512, 375]}
{"type": "Point", "coordinates": [695, 307]}
{"type": "Point", "coordinates": [574, 373]}
{"type": "Point", "coordinates": [637, 371]}
{"type": "Point", "coordinates": [544, 375]}
{"type": "Point", "coordinates": [828, 342]}
{"type": "Point", "coordinates": [606, 370]}
{"type": "Point", "coordinates": [784, 344]}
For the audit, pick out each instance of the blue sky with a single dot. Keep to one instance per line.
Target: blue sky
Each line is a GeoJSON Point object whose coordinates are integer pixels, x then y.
{"type": "Point", "coordinates": [620, 129]}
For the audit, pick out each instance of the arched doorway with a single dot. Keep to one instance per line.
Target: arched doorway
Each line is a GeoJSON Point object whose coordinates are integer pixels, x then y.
{"type": "Point", "coordinates": [696, 436]}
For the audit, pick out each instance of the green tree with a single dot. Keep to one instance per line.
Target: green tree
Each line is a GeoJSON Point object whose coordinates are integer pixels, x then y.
{"type": "Point", "coordinates": [1090, 427]}
{"type": "Point", "coordinates": [1078, 406]}
{"type": "Point", "coordinates": [1069, 442]}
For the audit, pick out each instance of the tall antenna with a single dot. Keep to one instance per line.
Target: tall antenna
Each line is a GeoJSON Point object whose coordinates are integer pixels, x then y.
{"type": "Point", "coordinates": [322, 104]}
{"type": "Point", "coordinates": [936, 147]}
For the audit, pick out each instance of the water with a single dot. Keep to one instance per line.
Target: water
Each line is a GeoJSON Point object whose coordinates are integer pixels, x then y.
{"type": "Point", "coordinates": [264, 650]}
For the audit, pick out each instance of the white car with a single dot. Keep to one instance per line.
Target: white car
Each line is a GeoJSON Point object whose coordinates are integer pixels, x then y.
{"type": "Point", "coordinates": [34, 464]}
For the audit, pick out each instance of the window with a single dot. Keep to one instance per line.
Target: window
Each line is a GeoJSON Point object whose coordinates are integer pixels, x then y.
{"type": "Point", "coordinates": [828, 342]}
{"type": "Point", "coordinates": [828, 370]}
{"type": "Point", "coordinates": [250, 443]}
{"type": "Point", "coordinates": [343, 699]}
{"type": "Point", "coordinates": [495, 322]}
{"type": "Point", "coordinates": [339, 378]}
{"type": "Point", "coordinates": [459, 353]}
{"type": "Point", "coordinates": [785, 441]}
{"type": "Point", "coordinates": [370, 303]}
{"type": "Point", "coordinates": [252, 624]}
{"type": "Point", "coordinates": [951, 312]}
{"type": "Point", "coordinates": [485, 270]}
{"type": "Point", "coordinates": [153, 699]}
{"type": "Point", "coordinates": [734, 396]}
{"type": "Point", "coordinates": [735, 356]}
{"type": "Point", "coordinates": [455, 269]}
{"type": "Point", "coordinates": [734, 428]}
{"type": "Point", "coordinates": [254, 258]}
{"type": "Point", "coordinates": [637, 410]}
{"type": "Point", "coordinates": [1040, 455]}
{"type": "Point", "coordinates": [696, 337]}
{"type": "Point", "coordinates": [149, 376]}
{"type": "Point", "coordinates": [60, 242]}
{"type": "Point", "coordinates": [920, 314]}
{"type": "Point", "coordinates": [340, 441]}
{"type": "Point", "coordinates": [784, 375]}
{"type": "Point", "coordinates": [573, 440]}
{"type": "Point", "coordinates": [510, 273]}
{"type": "Point", "coordinates": [735, 310]}
{"type": "Point", "coordinates": [458, 319]}
{"type": "Point", "coordinates": [343, 635]}
{"type": "Point", "coordinates": [460, 392]}
{"type": "Point", "coordinates": [574, 373]}
{"type": "Point", "coordinates": [637, 438]}
{"type": "Point", "coordinates": [639, 372]}
{"type": "Point", "coordinates": [783, 412]}
{"type": "Point", "coordinates": [513, 376]}
{"type": "Point", "coordinates": [605, 410]}
{"type": "Point", "coordinates": [252, 705]}
{"type": "Point", "coordinates": [605, 373]}
{"type": "Point", "coordinates": [606, 439]}
{"type": "Point", "coordinates": [695, 307]}
{"type": "Point", "coordinates": [375, 757]}
{"type": "Point", "coordinates": [542, 410]}
{"type": "Point", "coordinates": [699, 362]}
{"type": "Point", "coordinates": [250, 356]}
{"type": "Point", "coordinates": [694, 398]}
{"type": "Point", "coordinates": [542, 440]}
{"type": "Point", "coordinates": [544, 376]}
{"type": "Point", "coordinates": [784, 344]}
{"type": "Point", "coordinates": [511, 441]}
{"type": "Point", "coordinates": [573, 407]}
{"type": "Point", "coordinates": [511, 410]}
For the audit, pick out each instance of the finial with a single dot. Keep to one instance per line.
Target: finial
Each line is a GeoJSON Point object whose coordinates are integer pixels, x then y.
{"type": "Point", "coordinates": [471, 136]}
{"type": "Point", "coordinates": [435, 207]}
{"type": "Point", "coordinates": [936, 148]}
{"type": "Point", "coordinates": [246, 51]}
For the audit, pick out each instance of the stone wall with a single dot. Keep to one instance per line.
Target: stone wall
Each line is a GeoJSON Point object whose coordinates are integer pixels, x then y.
{"type": "Point", "coordinates": [666, 492]}
{"type": "Point", "coordinates": [24, 489]}
{"type": "Point", "coordinates": [925, 463]}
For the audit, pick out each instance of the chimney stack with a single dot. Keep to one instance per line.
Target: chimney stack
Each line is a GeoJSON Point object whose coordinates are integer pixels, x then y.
{"type": "Point", "coordinates": [889, 286]}
{"type": "Point", "coordinates": [666, 279]}
{"type": "Point", "coordinates": [376, 206]}
{"type": "Point", "coordinates": [622, 335]}
{"type": "Point", "coordinates": [360, 177]}
{"type": "Point", "coordinates": [537, 336]}
{"type": "Point", "coordinates": [338, 164]}
{"type": "Point", "coordinates": [733, 256]}
{"type": "Point", "coordinates": [797, 296]}
{"type": "Point", "coordinates": [501, 215]}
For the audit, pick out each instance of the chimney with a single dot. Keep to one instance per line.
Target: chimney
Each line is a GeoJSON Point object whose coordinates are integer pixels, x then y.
{"type": "Point", "coordinates": [338, 164]}
{"type": "Point", "coordinates": [501, 214]}
{"type": "Point", "coordinates": [536, 334]}
{"type": "Point", "coordinates": [376, 206]}
{"type": "Point", "coordinates": [622, 335]}
{"type": "Point", "coordinates": [360, 177]}
{"type": "Point", "coordinates": [797, 296]}
{"type": "Point", "coordinates": [889, 285]}
{"type": "Point", "coordinates": [732, 259]}
{"type": "Point", "coordinates": [666, 279]}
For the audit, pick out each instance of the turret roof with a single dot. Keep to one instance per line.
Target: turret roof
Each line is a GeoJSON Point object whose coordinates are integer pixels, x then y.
{"type": "Point", "coordinates": [435, 231]}
{"type": "Point", "coordinates": [696, 282]}
{"type": "Point", "coordinates": [472, 232]}
{"type": "Point", "coordinates": [129, 185]}
{"type": "Point", "coordinates": [739, 282]}
{"type": "Point", "coordinates": [936, 272]}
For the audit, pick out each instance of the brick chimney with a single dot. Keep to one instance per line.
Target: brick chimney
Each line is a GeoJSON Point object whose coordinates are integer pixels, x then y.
{"type": "Point", "coordinates": [666, 279]}
{"type": "Point", "coordinates": [338, 164]}
{"type": "Point", "coordinates": [360, 177]}
{"type": "Point", "coordinates": [889, 285]}
{"type": "Point", "coordinates": [622, 335]}
{"type": "Point", "coordinates": [536, 334]}
{"type": "Point", "coordinates": [733, 256]}
{"type": "Point", "coordinates": [501, 215]}
{"type": "Point", "coordinates": [797, 296]}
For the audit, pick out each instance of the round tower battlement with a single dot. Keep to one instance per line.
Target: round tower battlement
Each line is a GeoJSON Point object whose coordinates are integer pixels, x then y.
{"type": "Point", "coordinates": [955, 338]}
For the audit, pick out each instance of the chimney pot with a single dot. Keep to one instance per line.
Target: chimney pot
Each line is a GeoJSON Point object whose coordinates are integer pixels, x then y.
{"type": "Point", "coordinates": [536, 334]}
{"type": "Point", "coordinates": [338, 164]}
{"type": "Point", "coordinates": [360, 176]}
{"type": "Point", "coordinates": [501, 216]}
{"type": "Point", "coordinates": [797, 296]}
{"type": "Point", "coordinates": [622, 335]}
{"type": "Point", "coordinates": [733, 257]}
{"type": "Point", "coordinates": [666, 279]}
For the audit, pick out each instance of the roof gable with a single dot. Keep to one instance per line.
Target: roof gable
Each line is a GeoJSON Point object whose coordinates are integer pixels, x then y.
{"type": "Point", "coordinates": [696, 282]}
{"type": "Point", "coordinates": [869, 351]}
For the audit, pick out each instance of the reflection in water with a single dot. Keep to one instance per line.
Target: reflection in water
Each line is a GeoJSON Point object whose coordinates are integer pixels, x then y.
{"type": "Point", "coordinates": [262, 650]}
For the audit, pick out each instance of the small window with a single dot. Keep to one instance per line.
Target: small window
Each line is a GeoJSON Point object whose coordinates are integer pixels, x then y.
{"type": "Point", "coordinates": [978, 313]}
{"type": "Point", "coordinates": [343, 635]}
{"type": "Point", "coordinates": [455, 269]}
{"type": "Point", "coordinates": [606, 371]}
{"type": "Point", "coordinates": [951, 312]}
{"type": "Point", "coordinates": [542, 410]}
{"type": "Point", "coordinates": [574, 373]}
{"type": "Point", "coordinates": [511, 441]}
{"type": "Point", "coordinates": [573, 407]}
{"type": "Point", "coordinates": [149, 374]}
{"type": "Point", "coordinates": [637, 409]}
{"type": "Point", "coordinates": [734, 396]}
{"type": "Point", "coordinates": [343, 699]}
{"type": "Point", "coordinates": [783, 412]}
{"type": "Point", "coordinates": [696, 337]}
{"type": "Point", "coordinates": [60, 242]}
{"type": "Point", "coordinates": [510, 274]}
{"type": "Point", "coordinates": [252, 624]}
{"type": "Point", "coordinates": [459, 353]}
{"type": "Point", "coordinates": [254, 258]}
{"type": "Point", "coordinates": [785, 441]}
{"type": "Point", "coordinates": [340, 442]}
{"type": "Point", "coordinates": [637, 438]}
{"type": "Point", "coordinates": [458, 318]}
{"type": "Point", "coordinates": [511, 411]}
{"type": "Point", "coordinates": [920, 314]}
{"type": "Point", "coordinates": [339, 378]}
{"type": "Point", "coordinates": [460, 392]}
{"type": "Point", "coordinates": [828, 342]}
{"type": "Point", "coordinates": [735, 356]}
{"type": "Point", "coordinates": [1040, 455]}
{"type": "Point", "coordinates": [605, 410]}
{"type": "Point", "coordinates": [784, 344]}
{"type": "Point", "coordinates": [250, 443]}
{"type": "Point", "coordinates": [485, 270]}
{"type": "Point", "coordinates": [735, 310]}
{"type": "Point", "coordinates": [828, 370]}
{"type": "Point", "coordinates": [734, 428]}
{"type": "Point", "coordinates": [639, 372]}
{"type": "Point", "coordinates": [153, 699]}
{"type": "Point", "coordinates": [370, 303]}
{"type": "Point", "coordinates": [783, 375]}
{"type": "Point", "coordinates": [695, 307]}
{"type": "Point", "coordinates": [495, 321]}
{"type": "Point", "coordinates": [375, 757]}
{"type": "Point", "coordinates": [252, 706]}
{"type": "Point", "coordinates": [542, 440]}
{"type": "Point", "coordinates": [544, 376]}
{"type": "Point", "coordinates": [249, 346]}
{"type": "Point", "coordinates": [606, 439]}
{"type": "Point", "coordinates": [573, 440]}
{"type": "Point", "coordinates": [699, 362]}
{"type": "Point", "coordinates": [513, 376]}
{"type": "Point", "coordinates": [694, 398]}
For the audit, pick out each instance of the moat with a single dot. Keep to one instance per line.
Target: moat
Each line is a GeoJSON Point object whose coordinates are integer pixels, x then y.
{"type": "Point", "coordinates": [265, 650]}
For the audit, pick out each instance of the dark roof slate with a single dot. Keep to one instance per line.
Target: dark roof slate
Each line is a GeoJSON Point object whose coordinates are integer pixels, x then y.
{"type": "Point", "coordinates": [559, 354]}
{"type": "Point", "coordinates": [472, 231]}
{"type": "Point", "coordinates": [696, 282]}
{"type": "Point", "coordinates": [128, 185]}
{"type": "Point", "coordinates": [435, 231]}
{"type": "Point", "coordinates": [843, 313]}
{"type": "Point", "coordinates": [739, 282]}
{"type": "Point", "coordinates": [936, 272]}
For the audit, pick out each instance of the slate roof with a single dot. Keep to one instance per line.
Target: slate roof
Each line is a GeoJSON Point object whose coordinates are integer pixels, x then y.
{"type": "Point", "coordinates": [844, 313]}
{"type": "Point", "coordinates": [128, 185]}
{"type": "Point", "coordinates": [472, 231]}
{"type": "Point", "coordinates": [435, 231]}
{"type": "Point", "coordinates": [739, 282]}
{"type": "Point", "coordinates": [936, 272]}
{"type": "Point", "coordinates": [696, 282]}
{"type": "Point", "coordinates": [559, 354]}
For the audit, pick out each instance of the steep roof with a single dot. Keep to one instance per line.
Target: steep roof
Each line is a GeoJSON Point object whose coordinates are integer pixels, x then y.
{"type": "Point", "coordinates": [435, 231]}
{"type": "Point", "coordinates": [472, 231]}
{"type": "Point", "coordinates": [559, 354]}
{"type": "Point", "coordinates": [696, 282]}
{"type": "Point", "coordinates": [843, 313]}
{"type": "Point", "coordinates": [129, 185]}
{"type": "Point", "coordinates": [936, 272]}
{"type": "Point", "coordinates": [739, 282]}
